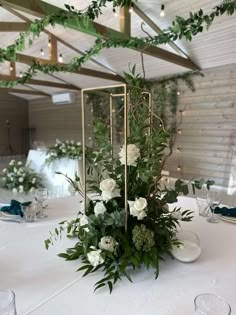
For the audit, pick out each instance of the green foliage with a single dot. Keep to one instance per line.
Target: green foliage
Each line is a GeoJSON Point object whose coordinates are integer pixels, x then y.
{"type": "Point", "coordinates": [180, 28]}
{"type": "Point", "coordinates": [19, 178]}
{"type": "Point", "coordinates": [102, 240]}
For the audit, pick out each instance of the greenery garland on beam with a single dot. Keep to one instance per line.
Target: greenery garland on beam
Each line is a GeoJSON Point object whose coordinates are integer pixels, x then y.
{"type": "Point", "coordinates": [181, 28]}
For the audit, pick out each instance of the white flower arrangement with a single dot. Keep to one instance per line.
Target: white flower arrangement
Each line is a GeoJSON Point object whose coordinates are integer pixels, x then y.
{"type": "Point", "coordinates": [19, 178]}
{"type": "Point", "coordinates": [69, 149]}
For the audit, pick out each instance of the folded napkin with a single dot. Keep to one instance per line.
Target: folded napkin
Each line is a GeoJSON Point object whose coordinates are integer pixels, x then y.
{"type": "Point", "coordinates": [228, 212]}
{"type": "Point", "coordinates": [15, 207]}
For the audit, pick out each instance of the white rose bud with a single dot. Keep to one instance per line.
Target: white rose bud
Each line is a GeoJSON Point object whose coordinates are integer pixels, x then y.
{"type": "Point", "coordinates": [78, 143]}
{"type": "Point", "coordinates": [109, 189]}
{"type": "Point", "coordinates": [108, 243]}
{"type": "Point", "coordinates": [137, 208]}
{"type": "Point", "coordinates": [95, 258]}
{"type": "Point", "coordinates": [12, 162]}
{"type": "Point", "coordinates": [21, 189]}
{"type": "Point", "coordinates": [99, 208]}
{"type": "Point", "coordinates": [4, 170]}
{"type": "Point", "coordinates": [15, 170]}
{"type": "Point", "coordinates": [19, 163]}
{"type": "Point", "coordinates": [21, 179]}
{"type": "Point", "coordinates": [133, 153]}
{"type": "Point", "coordinates": [14, 190]}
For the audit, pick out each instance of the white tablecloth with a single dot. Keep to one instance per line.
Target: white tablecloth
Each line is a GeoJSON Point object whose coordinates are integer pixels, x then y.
{"type": "Point", "coordinates": [46, 284]}
{"type": "Point", "coordinates": [57, 184]}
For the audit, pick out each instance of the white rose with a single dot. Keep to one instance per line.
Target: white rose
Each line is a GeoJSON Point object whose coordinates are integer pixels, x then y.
{"type": "Point", "coordinates": [133, 153]}
{"type": "Point", "coordinates": [176, 215]}
{"type": "Point", "coordinates": [84, 221]}
{"type": "Point", "coordinates": [72, 142]}
{"type": "Point", "coordinates": [33, 180]}
{"type": "Point", "coordinates": [32, 189]}
{"type": "Point", "coordinates": [14, 190]}
{"type": "Point", "coordinates": [12, 162]}
{"type": "Point", "coordinates": [67, 141]}
{"type": "Point", "coordinates": [95, 257]}
{"type": "Point", "coordinates": [137, 208]}
{"type": "Point", "coordinates": [4, 170]}
{"type": "Point", "coordinates": [21, 179]}
{"type": "Point", "coordinates": [99, 208]}
{"type": "Point", "coordinates": [58, 141]}
{"type": "Point", "coordinates": [63, 150]}
{"type": "Point", "coordinates": [15, 170]}
{"type": "Point", "coordinates": [21, 189]}
{"type": "Point", "coordinates": [108, 243]}
{"type": "Point", "coordinates": [109, 189]}
{"type": "Point", "coordinates": [19, 163]}
{"type": "Point", "coordinates": [78, 143]}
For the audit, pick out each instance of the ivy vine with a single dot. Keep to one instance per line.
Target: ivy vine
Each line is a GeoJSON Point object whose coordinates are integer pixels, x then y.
{"type": "Point", "coordinates": [180, 28]}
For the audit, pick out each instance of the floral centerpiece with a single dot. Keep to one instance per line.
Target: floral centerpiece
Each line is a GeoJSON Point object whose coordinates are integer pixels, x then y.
{"type": "Point", "coordinates": [19, 178]}
{"type": "Point", "coordinates": [63, 149]}
{"type": "Point", "coordinates": [112, 235]}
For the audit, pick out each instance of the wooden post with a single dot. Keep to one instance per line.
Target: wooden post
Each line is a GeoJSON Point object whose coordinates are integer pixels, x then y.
{"type": "Point", "coordinates": [125, 21]}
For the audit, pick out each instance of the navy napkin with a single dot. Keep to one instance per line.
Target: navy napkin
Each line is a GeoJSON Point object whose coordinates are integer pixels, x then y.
{"type": "Point", "coordinates": [228, 212]}
{"type": "Point", "coordinates": [15, 207]}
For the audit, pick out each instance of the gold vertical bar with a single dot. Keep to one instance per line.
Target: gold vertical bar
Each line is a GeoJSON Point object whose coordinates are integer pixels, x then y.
{"type": "Point", "coordinates": [111, 122]}
{"type": "Point", "coordinates": [125, 144]}
{"type": "Point", "coordinates": [84, 147]}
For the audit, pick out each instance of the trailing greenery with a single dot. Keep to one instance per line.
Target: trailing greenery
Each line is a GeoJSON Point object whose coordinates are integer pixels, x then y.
{"type": "Point", "coordinates": [109, 236]}
{"type": "Point", "coordinates": [19, 178]}
{"type": "Point", "coordinates": [180, 28]}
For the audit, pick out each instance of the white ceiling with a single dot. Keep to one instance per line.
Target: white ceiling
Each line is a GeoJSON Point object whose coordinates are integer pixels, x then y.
{"type": "Point", "coordinates": [212, 48]}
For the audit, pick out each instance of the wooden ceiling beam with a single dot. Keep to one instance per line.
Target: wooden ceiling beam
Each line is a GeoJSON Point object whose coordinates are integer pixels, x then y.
{"type": "Point", "coordinates": [14, 26]}
{"type": "Point", "coordinates": [41, 83]}
{"type": "Point", "coordinates": [83, 71]}
{"type": "Point", "coordinates": [19, 91]}
{"type": "Point", "coordinates": [63, 42]}
{"type": "Point", "coordinates": [40, 8]}
{"type": "Point", "coordinates": [157, 29]}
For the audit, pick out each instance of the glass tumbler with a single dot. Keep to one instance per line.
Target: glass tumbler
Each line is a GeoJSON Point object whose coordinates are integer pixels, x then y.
{"type": "Point", "coordinates": [203, 207]}
{"type": "Point", "coordinates": [29, 213]}
{"type": "Point", "coordinates": [210, 304]}
{"type": "Point", "coordinates": [7, 302]}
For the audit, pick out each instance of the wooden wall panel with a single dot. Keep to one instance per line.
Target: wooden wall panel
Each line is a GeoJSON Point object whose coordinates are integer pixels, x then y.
{"type": "Point", "coordinates": [208, 127]}
{"type": "Point", "coordinates": [15, 110]}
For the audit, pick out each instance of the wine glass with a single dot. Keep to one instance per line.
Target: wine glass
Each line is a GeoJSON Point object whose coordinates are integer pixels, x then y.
{"type": "Point", "coordinates": [210, 304]}
{"type": "Point", "coordinates": [7, 302]}
{"type": "Point", "coordinates": [213, 200]}
{"type": "Point", "coordinates": [41, 195]}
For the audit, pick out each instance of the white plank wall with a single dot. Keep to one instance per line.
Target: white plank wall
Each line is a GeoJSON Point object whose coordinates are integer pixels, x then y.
{"type": "Point", "coordinates": [208, 127]}
{"type": "Point", "coordinates": [15, 110]}
{"type": "Point", "coordinates": [55, 121]}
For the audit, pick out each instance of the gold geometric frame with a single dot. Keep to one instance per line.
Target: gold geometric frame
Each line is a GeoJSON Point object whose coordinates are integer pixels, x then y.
{"type": "Point", "coordinates": [125, 96]}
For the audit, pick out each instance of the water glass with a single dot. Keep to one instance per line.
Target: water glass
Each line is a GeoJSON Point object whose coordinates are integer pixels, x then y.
{"type": "Point", "coordinates": [7, 302]}
{"type": "Point", "coordinates": [29, 213]}
{"type": "Point", "coordinates": [213, 200]}
{"type": "Point", "coordinates": [41, 195]}
{"type": "Point", "coordinates": [210, 304]}
{"type": "Point", "coordinates": [203, 207]}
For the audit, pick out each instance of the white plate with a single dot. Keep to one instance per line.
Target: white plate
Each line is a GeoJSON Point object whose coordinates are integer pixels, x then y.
{"type": "Point", "coordinates": [227, 219]}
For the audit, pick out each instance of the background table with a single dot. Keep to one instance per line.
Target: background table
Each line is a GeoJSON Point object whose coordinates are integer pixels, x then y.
{"type": "Point", "coordinates": [46, 284]}
{"type": "Point", "coordinates": [57, 184]}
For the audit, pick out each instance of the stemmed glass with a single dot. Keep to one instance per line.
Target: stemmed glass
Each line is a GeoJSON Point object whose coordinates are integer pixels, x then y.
{"type": "Point", "coordinates": [213, 200]}
{"type": "Point", "coordinates": [41, 195]}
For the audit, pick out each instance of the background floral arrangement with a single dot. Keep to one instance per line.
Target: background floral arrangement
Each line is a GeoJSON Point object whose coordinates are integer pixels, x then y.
{"type": "Point", "coordinates": [62, 149]}
{"type": "Point", "coordinates": [110, 236]}
{"type": "Point", "coordinates": [19, 178]}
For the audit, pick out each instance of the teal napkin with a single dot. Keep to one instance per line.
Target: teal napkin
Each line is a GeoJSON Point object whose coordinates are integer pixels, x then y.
{"type": "Point", "coordinates": [15, 207]}
{"type": "Point", "coordinates": [228, 212]}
